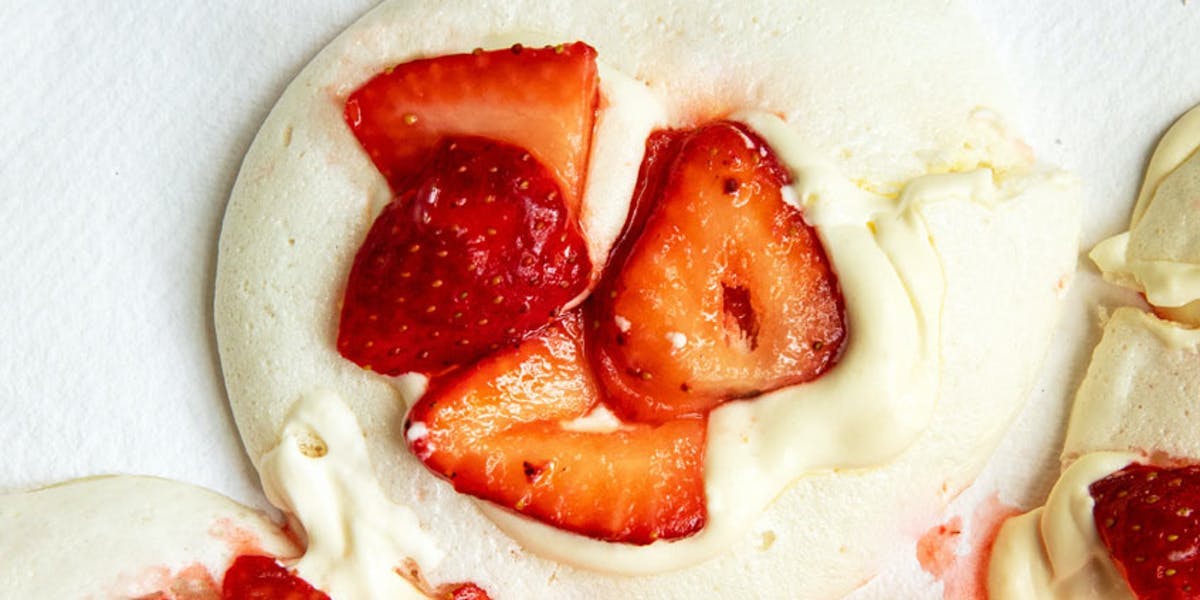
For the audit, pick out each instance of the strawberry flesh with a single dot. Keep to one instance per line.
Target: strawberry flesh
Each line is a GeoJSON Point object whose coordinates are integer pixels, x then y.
{"type": "Point", "coordinates": [717, 290]}
{"type": "Point", "coordinates": [496, 431]}
{"type": "Point", "coordinates": [540, 99]}
{"type": "Point", "coordinates": [721, 291]}
{"type": "Point", "coordinates": [480, 252]}
{"type": "Point", "coordinates": [1149, 519]}
{"type": "Point", "coordinates": [263, 578]}
{"type": "Point", "coordinates": [466, 591]}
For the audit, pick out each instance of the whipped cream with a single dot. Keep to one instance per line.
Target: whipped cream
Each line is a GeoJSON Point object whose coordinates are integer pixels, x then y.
{"type": "Point", "coordinates": [628, 111]}
{"type": "Point", "coordinates": [1055, 552]}
{"type": "Point", "coordinates": [359, 542]}
{"type": "Point", "coordinates": [1160, 254]}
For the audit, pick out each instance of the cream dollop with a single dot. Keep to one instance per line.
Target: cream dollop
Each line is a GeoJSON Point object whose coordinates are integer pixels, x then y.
{"type": "Point", "coordinates": [1160, 254]}
{"type": "Point", "coordinates": [358, 541]}
{"type": "Point", "coordinates": [1055, 552]}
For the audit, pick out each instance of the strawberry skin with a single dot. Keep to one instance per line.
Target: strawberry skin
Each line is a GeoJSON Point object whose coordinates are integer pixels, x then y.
{"type": "Point", "coordinates": [495, 431]}
{"type": "Point", "coordinates": [1149, 519]}
{"type": "Point", "coordinates": [721, 292]}
{"type": "Point", "coordinates": [482, 251]}
{"type": "Point", "coordinates": [540, 99]}
{"type": "Point", "coordinates": [262, 578]}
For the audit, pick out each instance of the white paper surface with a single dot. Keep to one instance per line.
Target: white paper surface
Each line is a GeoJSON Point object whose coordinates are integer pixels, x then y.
{"type": "Point", "coordinates": [122, 126]}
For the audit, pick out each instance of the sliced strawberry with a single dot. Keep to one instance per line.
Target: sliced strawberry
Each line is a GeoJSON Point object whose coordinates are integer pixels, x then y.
{"type": "Point", "coordinates": [262, 578]}
{"type": "Point", "coordinates": [482, 251]}
{"type": "Point", "coordinates": [540, 99]}
{"type": "Point", "coordinates": [1149, 519]}
{"type": "Point", "coordinates": [496, 431]}
{"type": "Point", "coordinates": [723, 292]}
{"type": "Point", "coordinates": [466, 591]}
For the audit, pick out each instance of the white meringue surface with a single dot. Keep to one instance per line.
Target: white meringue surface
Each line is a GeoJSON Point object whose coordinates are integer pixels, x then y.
{"type": "Point", "coordinates": [118, 537]}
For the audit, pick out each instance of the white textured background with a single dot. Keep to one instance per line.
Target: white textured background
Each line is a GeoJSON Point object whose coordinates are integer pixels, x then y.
{"type": "Point", "coordinates": [122, 125]}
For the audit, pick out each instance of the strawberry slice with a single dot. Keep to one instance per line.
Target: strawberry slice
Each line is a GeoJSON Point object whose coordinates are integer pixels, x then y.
{"type": "Point", "coordinates": [262, 578]}
{"type": "Point", "coordinates": [540, 99]}
{"type": "Point", "coordinates": [466, 591]}
{"type": "Point", "coordinates": [721, 292]}
{"type": "Point", "coordinates": [499, 430]}
{"type": "Point", "coordinates": [1149, 519]}
{"type": "Point", "coordinates": [476, 255]}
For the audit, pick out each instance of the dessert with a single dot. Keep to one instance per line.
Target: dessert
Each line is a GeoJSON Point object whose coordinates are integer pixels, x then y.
{"type": "Point", "coordinates": [1132, 416]}
{"type": "Point", "coordinates": [1159, 253]}
{"type": "Point", "coordinates": [483, 242]}
{"type": "Point", "coordinates": [134, 537]}
{"type": "Point", "coordinates": [143, 537]}
{"type": "Point", "coordinates": [811, 476]}
{"type": "Point", "coordinates": [1119, 522]}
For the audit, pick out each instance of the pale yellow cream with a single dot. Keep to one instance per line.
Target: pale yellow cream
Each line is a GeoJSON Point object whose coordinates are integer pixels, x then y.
{"type": "Point", "coordinates": [1160, 254]}
{"type": "Point", "coordinates": [1054, 552]}
{"type": "Point", "coordinates": [358, 540]}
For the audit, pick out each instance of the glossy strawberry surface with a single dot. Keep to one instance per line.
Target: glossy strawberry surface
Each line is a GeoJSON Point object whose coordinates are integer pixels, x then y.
{"type": "Point", "coordinates": [1149, 519]}
{"type": "Point", "coordinates": [541, 99]}
{"type": "Point", "coordinates": [486, 153]}
{"type": "Point", "coordinates": [479, 253]}
{"type": "Point", "coordinates": [263, 578]}
{"type": "Point", "coordinates": [722, 291]}
{"type": "Point", "coordinates": [506, 429]}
